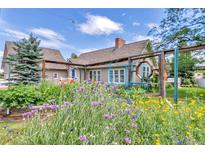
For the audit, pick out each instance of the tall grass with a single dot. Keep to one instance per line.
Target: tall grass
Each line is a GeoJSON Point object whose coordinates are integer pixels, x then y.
{"type": "Point", "coordinates": [96, 115]}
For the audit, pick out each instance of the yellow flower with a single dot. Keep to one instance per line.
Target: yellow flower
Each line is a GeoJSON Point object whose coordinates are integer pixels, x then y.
{"type": "Point", "coordinates": [157, 141]}
{"type": "Point", "coordinates": [201, 95]}
{"type": "Point", "coordinates": [188, 133]}
{"type": "Point", "coordinates": [190, 126]}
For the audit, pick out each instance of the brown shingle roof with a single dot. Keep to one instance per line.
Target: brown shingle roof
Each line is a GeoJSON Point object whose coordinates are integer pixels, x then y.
{"type": "Point", "coordinates": [48, 54]}
{"type": "Point", "coordinates": [127, 50]}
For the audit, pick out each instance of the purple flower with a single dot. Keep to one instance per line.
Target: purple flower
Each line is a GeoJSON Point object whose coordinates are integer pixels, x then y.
{"type": "Point", "coordinates": [83, 138]}
{"type": "Point", "coordinates": [129, 101]}
{"type": "Point", "coordinates": [81, 89]}
{"type": "Point", "coordinates": [46, 104]}
{"type": "Point", "coordinates": [95, 104]}
{"type": "Point", "coordinates": [127, 140]}
{"type": "Point", "coordinates": [133, 118]}
{"type": "Point", "coordinates": [53, 107]}
{"type": "Point", "coordinates": [128, 110]}
{"type": "Point", "coordinates": [5, 126]}
{"type": "Point", "coordinates": [179, 142]}
{"type": "Point", "coordinates": [27, 114]}
{"type": "Point", "coordinates": [51, 100]}
{"type": "Point", "coordinates": [133, 125]}
{"type": "Point", "coordinates": [109, 116]}
{"type": "Point", "coordinates": [66, 103]}
{"type": "Point", "coordinates": [34, 111]}
{"type": "Point", "coordinates": [127, 131]}
{"type": "Point", "coordinates": [93, 91]}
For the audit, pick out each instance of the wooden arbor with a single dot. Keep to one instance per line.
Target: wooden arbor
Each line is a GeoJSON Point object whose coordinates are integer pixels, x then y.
{"type": "Point", "coordinates": [161, 58]}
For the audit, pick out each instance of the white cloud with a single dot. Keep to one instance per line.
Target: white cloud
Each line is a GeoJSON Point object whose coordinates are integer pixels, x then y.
{"type": "Point", "coordinates": [145, 37]}
{"type": "Point", "coordinates": [1, 54]}
{"type": "Point", "coordinates": [87, 50]}
{"type": "Point", "coordinates": [9, 31]}
{"type": "Point", "coordinates": [141, 37]}
{"type": "Point", "coordinates": [50, 38]}
{"type": "Point", "coordinates": [15, 33]}
{"type": "Point", "coordinates": [152, 25]}
{"type": "Point", "coordinates": [136, 23]}
{"type": "Point", "coordinates": [124, 14]}
{"type": "Point", "coordinates": [47, 33]}
{"type": "Point", "coordinates": [99, 25]}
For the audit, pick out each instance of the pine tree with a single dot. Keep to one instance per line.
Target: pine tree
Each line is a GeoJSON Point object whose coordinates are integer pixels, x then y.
{"type": "Point", "coordinates": [25, 65]}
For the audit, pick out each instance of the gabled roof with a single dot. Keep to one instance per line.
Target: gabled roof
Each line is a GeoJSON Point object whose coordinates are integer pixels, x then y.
{"type": "Point", "coordinates": [48, 54]}
{"type": "Point", "coordinates": [113, 53]}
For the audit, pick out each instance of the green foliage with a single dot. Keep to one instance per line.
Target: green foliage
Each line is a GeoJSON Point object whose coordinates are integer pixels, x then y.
{"type": "Point", "coordinates": [20, 96]}
{"type": "Point", "coordinates": [155, 122]}
{"type": "Point", "coordinates": [49, 91]}
{"type": "Point", "coordinates": [150, 50]}
{"type": "Point", "coordinates": [187, 66]}
{"type": "Point", "coordinates": [25, 65]}
{"type": "Point", "coordinates": [73, 55]}
{"type": "Point", "coordinates": [179, 27]}
{"type": "Point", "coordinates": [143, 120]}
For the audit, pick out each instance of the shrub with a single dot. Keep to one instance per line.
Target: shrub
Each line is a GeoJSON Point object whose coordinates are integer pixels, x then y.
{"type": "Point", "coordinates": [20, 96]}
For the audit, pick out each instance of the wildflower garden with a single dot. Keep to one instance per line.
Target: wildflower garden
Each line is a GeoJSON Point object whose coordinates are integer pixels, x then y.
{"type": "Point", "coordinates": [96, 113]}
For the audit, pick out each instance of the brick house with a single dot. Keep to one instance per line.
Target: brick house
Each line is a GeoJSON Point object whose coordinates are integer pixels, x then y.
{"type": "Point", "coordinates": [53, 72]}
{"type": "Point", "coordinates": [116, 73]}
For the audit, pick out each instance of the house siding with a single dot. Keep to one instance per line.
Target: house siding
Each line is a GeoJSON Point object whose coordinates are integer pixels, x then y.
{"type": "Point", "coordinates": [105, 71]}
{"type": "Point", "coordinates": [61, 74]}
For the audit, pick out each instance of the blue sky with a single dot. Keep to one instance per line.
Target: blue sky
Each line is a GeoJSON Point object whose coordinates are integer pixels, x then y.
{"type": "Point", "coordinates": [77, 30]}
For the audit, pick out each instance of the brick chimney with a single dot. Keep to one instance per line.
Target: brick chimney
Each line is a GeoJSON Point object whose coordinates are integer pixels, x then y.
{"type": "Point", "coordinates": [119, 42]}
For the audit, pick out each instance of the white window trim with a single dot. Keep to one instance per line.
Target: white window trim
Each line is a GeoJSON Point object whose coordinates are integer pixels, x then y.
{"type": "Point", "coordinates": [113, 76]}
{"type": "Point", "coordinates": [146, 72]}
{"type": "Point", "coordinates": [96, 74]}
{"type": "Point", "coordinates": [57, 75]}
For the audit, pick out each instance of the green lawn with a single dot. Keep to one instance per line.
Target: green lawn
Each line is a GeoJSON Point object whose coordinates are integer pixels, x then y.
{"type": "Point", "coordinates": [188, 92]}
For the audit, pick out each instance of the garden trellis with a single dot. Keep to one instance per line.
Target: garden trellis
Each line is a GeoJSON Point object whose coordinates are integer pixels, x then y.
{"type": "Point", "coordinates": [129, 67]}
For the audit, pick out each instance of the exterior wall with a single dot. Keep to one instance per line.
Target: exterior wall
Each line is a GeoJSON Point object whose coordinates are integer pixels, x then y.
{"type": "Point", "coordinates": [61, 74]}
{"type": "Point", "coordinates": [6, 71]}
{"type": "Point", "coordinates": [104, 72]}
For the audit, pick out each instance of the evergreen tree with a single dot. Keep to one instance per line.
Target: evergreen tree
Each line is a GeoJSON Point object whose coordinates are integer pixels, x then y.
{"type": "Point", "coordinates": [25, 65]}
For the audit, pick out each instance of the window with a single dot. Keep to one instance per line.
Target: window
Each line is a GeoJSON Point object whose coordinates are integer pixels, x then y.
{"type": "Point", "coordinates": [110, 76]}
{"type": "Point", "coordinates": [95, 75]}
{"type": "Point", "coordinates": [145, 71]}
{"type": "Point", "coordinates": [98, 76]}
{"type": "Point", "coordinates": [55, 75]}
{"type": "Point", "coordinates": [122, 76]}
{"type": "Point", "coordinates": [90, 75]}
{"type": "Point", "coordinates": [117, 76]}
{"type": "Point", "coordinates": [73, 73]}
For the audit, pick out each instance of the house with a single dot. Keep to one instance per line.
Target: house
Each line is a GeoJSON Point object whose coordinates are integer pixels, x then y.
{"type": "Point", "coordinates": [113, 73]}
{"type": "Point", "coordinates": [53, 72]}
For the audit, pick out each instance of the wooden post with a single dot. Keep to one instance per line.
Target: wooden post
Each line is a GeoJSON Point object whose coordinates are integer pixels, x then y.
{"type": "Point", "coordinates": [176, 61]}
{"type": "Point", "coordinates": [162, 72]}
{"type": "Point", "coordinates": [85, 73]}
{"type": "Point", "coordinates": [43, 70]}
{"type": "Point", "coordinates": [129, 71]}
